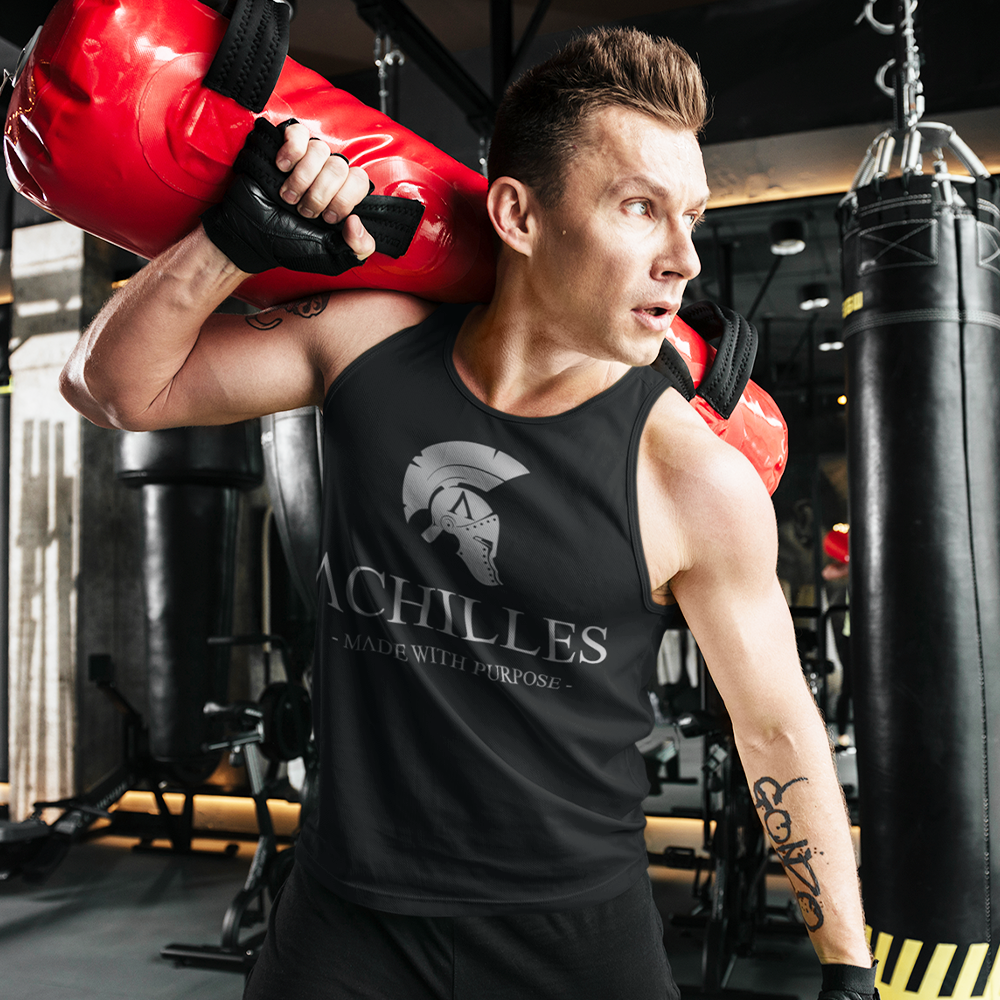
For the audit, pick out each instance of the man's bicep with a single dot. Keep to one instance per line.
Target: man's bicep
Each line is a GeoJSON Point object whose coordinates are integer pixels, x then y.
{"type": "Point", "coordinates": [734, 606]}
{"type": "Point", "coordinates": [244, 366]}
{"type": "Point", "coordinates": [236, 371]}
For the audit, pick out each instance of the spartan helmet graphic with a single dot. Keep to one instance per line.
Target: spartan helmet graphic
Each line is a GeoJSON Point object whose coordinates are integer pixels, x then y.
{"type": "Point", "coordinates": [443, 478]}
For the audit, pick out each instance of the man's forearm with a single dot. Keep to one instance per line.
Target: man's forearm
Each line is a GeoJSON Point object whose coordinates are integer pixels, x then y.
{"type": "Point", "coordinates": [143, 335]}
{"type": "Point", "coordinates": [798, 798]}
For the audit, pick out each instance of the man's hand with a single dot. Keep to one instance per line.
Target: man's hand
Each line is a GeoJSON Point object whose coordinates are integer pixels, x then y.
{"type": "Point", "coordinates": [321, 183]}
{"type": "Point", "coordinates": [297, 217]}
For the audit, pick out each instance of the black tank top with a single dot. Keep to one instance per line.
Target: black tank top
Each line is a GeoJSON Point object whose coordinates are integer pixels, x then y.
{"type": "Point", "coordinates": [485, 639]}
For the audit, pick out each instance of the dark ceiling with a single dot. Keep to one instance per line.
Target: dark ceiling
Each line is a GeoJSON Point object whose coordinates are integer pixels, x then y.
{"type": "Point", "coordinates": [782, 68]}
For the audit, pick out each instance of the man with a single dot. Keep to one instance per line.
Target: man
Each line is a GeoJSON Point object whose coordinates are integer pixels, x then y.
{"type": "Point", "coordinates": [515, 505]}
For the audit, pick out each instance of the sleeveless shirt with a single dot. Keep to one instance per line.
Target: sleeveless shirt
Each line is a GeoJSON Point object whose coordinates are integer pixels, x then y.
{"type": "Point", "coordinates": [484, 644]}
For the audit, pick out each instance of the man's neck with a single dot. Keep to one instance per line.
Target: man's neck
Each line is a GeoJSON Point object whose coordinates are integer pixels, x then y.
{"type": "Point", "coordinates": [513, 361]}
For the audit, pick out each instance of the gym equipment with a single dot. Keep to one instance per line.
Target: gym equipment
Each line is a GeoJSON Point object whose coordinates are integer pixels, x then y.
{"type": "Point", "coordinates": [293, 470]}
{"type": "Point", "coordinates": [33, 849]}
{"type": "Point", "coordinates": [190, 478]}
{"type": "Point", "coordinates": [276, 728]}
{"type": "Point", "coordinates": [128, 114]}
{"type": "Point", "coordinates": [158, 146]}
{"type": "Point", "coordinates": [921, 324]}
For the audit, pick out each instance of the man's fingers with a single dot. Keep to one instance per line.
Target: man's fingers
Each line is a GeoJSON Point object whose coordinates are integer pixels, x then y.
{"type": "Point", "coordinates": [358, 238]}
{"type": "Point", "coordinates": [347, 196]}
{"type": "Point", "coordinates": [320, 183]}
{"type": "Point", "coordinates": [294, 146]}
{"type": "Point", "coordinates": [324, 188]}
{"type": "Point", "coordinates": [315, 162]}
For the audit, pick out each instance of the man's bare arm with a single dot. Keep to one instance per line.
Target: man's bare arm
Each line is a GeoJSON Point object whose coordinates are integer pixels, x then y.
{"type": "Point", "coordinates": [125, 364]}
{"type": "Point", "coordinates": [731, 599]}
{"type": "Point", "coordinates": [156, 356]}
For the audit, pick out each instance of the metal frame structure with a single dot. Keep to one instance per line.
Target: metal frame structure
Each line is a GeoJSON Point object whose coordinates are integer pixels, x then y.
{"type": "Point", "coordinates": [418, 42]}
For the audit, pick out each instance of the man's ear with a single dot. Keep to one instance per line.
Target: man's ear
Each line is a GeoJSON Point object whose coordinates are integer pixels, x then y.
{"type": "Point", "coordinates": [512, 210]}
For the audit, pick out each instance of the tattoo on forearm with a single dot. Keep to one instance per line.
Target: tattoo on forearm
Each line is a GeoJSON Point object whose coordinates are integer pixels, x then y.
{"type": "Point", "coordinates": [768, 796]}
{"type": "Point", "coordinates": [306, 308]}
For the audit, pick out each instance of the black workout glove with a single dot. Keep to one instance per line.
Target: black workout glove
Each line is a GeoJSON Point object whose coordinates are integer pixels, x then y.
{"type": "Point", "coordinates": [848, 982]}
{"type": "Point", "coordinates": [256, 230]}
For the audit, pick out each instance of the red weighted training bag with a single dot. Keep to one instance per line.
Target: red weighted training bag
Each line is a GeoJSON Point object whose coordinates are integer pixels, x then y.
{"type": "Point", "coordinates": [111, 128]}
{"type": "Point", "coordinates": [114, 128]}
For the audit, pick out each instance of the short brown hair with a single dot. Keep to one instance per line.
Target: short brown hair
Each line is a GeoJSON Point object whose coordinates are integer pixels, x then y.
{"type": "Point", "coordinates": [544, 113]}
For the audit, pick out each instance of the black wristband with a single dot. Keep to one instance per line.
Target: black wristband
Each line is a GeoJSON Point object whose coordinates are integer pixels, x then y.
{"type": "Point", "coordinates": [853, 978]}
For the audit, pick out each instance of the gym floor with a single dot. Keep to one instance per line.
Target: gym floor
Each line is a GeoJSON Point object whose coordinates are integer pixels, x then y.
{"type": "Point", "coordinates": [96, 927]}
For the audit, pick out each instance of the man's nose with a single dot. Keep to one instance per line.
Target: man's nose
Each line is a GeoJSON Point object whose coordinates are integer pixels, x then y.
{"type": "Point", "coordinates": [679, 256]}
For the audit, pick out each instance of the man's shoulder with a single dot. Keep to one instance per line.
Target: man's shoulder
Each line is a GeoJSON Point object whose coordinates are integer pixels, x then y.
{"type": "Point", "coordinates": [706, 480]}
{"type": "Point", "coordinates": [677, 438]}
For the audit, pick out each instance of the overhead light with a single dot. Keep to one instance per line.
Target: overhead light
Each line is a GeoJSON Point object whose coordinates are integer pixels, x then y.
{"type": "Point", "coordinates": [788, 236]}
{"type": "Point", "coordinates": [842, 399]}
{"type": "Point", "coordinates": [830, 341]}
{"type": "Point", "coordinates": [814, 296]}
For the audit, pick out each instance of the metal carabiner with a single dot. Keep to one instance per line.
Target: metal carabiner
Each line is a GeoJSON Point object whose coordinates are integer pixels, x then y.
{"type": "Point", "coordinates": [880, 79]}
{"type": "Point", "coordinates": [868, 15]}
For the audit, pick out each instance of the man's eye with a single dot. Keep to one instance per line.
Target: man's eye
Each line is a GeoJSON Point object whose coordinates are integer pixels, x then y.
{"type": "Point", "coordinates": [639, 207]}
{"type": "Point", "coordinates": [694, 221]}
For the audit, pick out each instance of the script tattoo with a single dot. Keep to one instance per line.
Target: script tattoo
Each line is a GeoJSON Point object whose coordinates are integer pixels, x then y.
{"type": "Point", "coordinates": [306, 308]}
{"type": "Point", "coordinates": [768, 796]}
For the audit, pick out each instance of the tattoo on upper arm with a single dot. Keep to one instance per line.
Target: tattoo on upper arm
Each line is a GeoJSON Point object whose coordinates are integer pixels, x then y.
{"type": "Point", "coordinates": [306, 308]}
{"type": "Point", "coordinates": [768, 795]}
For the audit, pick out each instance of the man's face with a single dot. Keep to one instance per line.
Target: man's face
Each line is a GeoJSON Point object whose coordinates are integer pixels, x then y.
{"type": "Point", "coordinates": [611, 260]}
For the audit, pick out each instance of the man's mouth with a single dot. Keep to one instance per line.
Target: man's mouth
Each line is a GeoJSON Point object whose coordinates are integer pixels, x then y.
{"type": "Point", "coordinates": [656, 317]}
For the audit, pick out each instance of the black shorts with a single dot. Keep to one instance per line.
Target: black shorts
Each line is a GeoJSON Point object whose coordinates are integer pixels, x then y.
{"type": "Point", "coordinates": [321, 947]}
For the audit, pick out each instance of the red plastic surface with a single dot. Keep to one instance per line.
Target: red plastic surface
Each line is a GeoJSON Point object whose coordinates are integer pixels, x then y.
{"type": "Point", "coordinates": [110, 129]}
{"type": "Point", "coordinates": [755, 426]}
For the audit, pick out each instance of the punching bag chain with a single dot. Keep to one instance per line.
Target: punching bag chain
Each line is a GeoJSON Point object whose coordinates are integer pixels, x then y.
{"type": "Point", "coordinates": [908, 91]}
{"type": "Point", "coordinates": [915, 135]}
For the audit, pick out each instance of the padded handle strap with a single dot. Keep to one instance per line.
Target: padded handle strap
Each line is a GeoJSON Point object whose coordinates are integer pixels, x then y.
{"type": "Point", "coordinates": [391, 221]}
{"type": "Point", "coordinates": [724, 383]}
{"type": "Point", "coordinates": [670, 364]}
{"type": "Point", "coordinates": [249, 60]}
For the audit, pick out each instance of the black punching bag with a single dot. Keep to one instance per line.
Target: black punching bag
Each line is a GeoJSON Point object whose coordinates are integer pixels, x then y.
{"type": "Point", "coordinates": [921, 271]}
{"type": "Point", "coordinates": [190, 479]}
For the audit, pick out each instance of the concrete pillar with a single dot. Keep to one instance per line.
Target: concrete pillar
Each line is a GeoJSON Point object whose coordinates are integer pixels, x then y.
{"type": "Point", "coordinates": [46, 271]}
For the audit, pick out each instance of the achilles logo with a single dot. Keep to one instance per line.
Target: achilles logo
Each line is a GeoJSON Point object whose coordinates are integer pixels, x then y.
{"type": "Point", "coordinates": [447, 479]}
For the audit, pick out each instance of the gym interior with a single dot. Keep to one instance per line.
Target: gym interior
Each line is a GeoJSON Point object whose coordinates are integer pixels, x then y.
{"type": "Point", "coordinates": [159, 599]}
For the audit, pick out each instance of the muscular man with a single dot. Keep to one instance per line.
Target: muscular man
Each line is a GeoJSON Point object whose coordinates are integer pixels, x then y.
{"type": "Point", "coordinates": [516, 506]}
